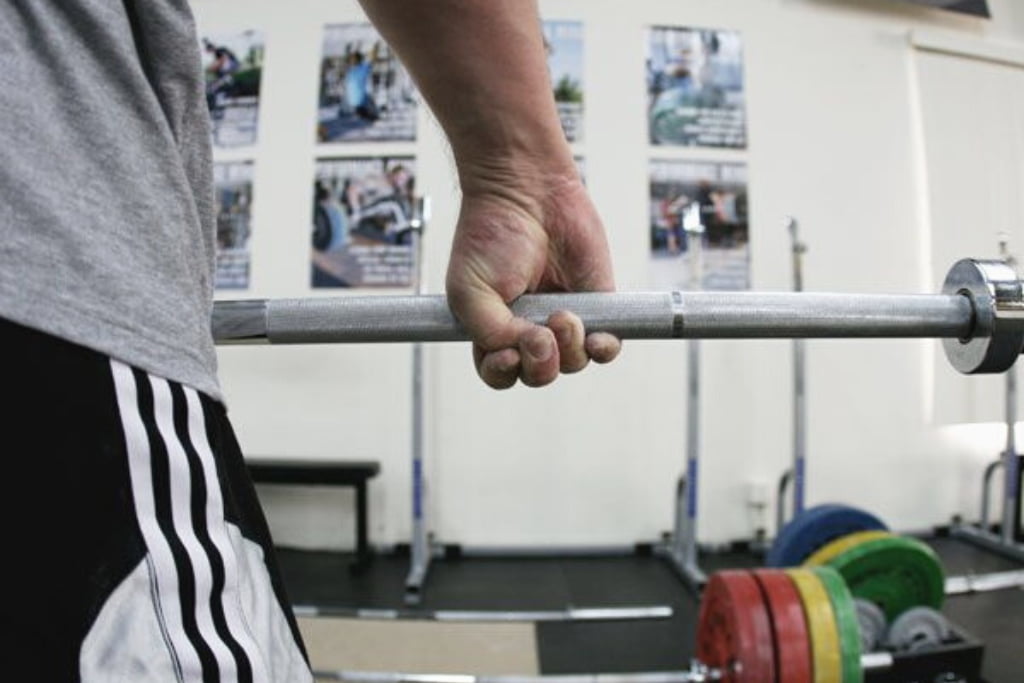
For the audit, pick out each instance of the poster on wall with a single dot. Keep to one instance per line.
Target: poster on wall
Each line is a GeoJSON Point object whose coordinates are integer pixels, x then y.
{"type": "Point", "coordinates": [233, 67]}
{"type": "Point", "coordinates": [563, 41]}
{"type": "Point", "coordinates": [233, 206]}
{"type": "Point", "coordinates": [362, 211]}
{"type": "Point", "coordinates": [695, 193]}
{"type": "Point", "coordinates": [365, 92]}
{"type": "Point", "coordinates": [695, 89]}
{"type": "Point", "coordinates": [978, 8]}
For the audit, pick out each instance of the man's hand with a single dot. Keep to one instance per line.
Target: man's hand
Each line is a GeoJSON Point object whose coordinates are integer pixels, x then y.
{"type": "Point", "coordinates": [527, 223]}
{"type": "Point", "coordinates": [512, 239]}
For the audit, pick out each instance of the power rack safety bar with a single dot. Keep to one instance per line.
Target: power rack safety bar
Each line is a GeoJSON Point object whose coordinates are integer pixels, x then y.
{"type": "Point", "coordinates": [979, 315]}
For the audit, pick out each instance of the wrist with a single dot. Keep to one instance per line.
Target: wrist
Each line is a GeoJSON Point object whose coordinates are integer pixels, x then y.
{"type": "Point", "coordinates": [533, 184]}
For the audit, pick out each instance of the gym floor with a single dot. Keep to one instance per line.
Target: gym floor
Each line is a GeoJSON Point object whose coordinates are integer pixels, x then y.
{"type": "Point", "coordinates": [323, 580]}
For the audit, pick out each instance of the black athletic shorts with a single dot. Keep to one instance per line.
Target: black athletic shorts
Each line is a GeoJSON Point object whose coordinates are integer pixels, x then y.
{"type": "Point", "coordinates": [136, 547]}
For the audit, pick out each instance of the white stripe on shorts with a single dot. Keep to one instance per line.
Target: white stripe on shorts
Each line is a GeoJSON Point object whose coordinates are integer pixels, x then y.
{"type": "Point", "coordinates": [161, 561]}
{"type": "Point", "coordinates": [218, 531]}
{"type": "Point", "coordinates": [181, 510]}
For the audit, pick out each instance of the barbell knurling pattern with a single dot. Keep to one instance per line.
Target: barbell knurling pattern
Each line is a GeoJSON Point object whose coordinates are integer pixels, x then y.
{"type": "Point", "coordinates": [629, 315]}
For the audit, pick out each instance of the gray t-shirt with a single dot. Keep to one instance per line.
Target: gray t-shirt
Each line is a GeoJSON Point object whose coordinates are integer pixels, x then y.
{"type": "Point", "coordinates": [107, 231]}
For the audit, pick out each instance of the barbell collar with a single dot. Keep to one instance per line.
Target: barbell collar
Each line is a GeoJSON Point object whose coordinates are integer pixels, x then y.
{"type": "Point", "coordinates": [996, 336]}
{"type": "Point", "coordinates": [631, 315]}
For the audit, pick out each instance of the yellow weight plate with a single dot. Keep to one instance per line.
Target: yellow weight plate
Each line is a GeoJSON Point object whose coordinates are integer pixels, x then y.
{"type": "Point", "coordinates": [821, 625]}
{"type": "Point", "coordinates": [824, 555]}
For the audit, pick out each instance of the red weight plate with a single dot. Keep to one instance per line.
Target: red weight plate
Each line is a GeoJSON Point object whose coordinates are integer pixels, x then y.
{"type": "Point", "coordinates": [734, 633]}
{"type": "Point", "coordinates": [793, 660]}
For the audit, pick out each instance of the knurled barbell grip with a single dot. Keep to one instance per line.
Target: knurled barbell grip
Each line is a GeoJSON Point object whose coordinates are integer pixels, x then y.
{"type": "Point", "coordinates": [629, 315]}
{"type": "Point", "coordinates": [979, 316]}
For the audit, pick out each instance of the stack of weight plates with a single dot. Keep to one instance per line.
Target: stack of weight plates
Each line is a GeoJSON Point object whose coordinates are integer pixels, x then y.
{"type": "Point", "coordinates": [897, 582]}
{"type": "Point", "coordinates": [900, 577]}
{"type": "Point", "coordinates": [792, 625]}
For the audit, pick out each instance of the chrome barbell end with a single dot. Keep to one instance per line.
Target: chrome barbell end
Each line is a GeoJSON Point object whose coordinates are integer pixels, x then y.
{"type": "Point", "coordinates": [243, 321]}
{"type": "Point", "coordinates": [996, 337]}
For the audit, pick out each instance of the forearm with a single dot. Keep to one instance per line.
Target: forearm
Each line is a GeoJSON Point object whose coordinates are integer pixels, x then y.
{"type": "Point", "coordinates": [482, 68]}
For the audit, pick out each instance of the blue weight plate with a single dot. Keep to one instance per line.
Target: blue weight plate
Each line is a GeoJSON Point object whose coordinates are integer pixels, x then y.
{"type": "Point", "coordinates": [815, 527]}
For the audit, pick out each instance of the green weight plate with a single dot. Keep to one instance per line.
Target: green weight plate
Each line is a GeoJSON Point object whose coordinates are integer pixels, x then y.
{"type": "Point", "coordinates": [846, 622]}
{"type": "Point", "coordinates": [821, 623]}
{"type": "Point", "coordinates": [896, 573]}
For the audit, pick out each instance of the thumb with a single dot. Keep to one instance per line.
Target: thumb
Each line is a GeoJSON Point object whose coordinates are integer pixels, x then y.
{"type": "Point", "coordinates": [486, 316]}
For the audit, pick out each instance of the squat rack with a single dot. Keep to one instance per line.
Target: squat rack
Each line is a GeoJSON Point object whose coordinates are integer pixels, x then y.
{"type": "Point", "coordinates": [421, 546]}
{"type": "Point", "coordinates": [680, 549]}
{"type": "Point", "coordinates": [795, 475]}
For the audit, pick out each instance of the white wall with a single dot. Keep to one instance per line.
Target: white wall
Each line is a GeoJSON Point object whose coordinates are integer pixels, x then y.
{"type": "Point", "coordinates": [837, 138]}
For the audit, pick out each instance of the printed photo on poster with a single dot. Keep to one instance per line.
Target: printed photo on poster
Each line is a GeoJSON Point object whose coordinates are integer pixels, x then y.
{"type": "Point", "coordinates": [695, 90]}
{"type": "Point", "coordinates": [233, 197]}
{"type": "Point", "coordinates": [365, 92]}
{"type": "Point", "coordinates": [361, 223]}
{"type": "Point", "coordinates": [564, 43]}
{"type": "Point", "coordinates": [233, 67]}
{"type": "Point", "coordinates": [713, 195]}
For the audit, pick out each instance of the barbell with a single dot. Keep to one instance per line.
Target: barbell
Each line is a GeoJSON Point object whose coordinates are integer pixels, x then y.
{"type": "Point", "coordinates": [979, 315]}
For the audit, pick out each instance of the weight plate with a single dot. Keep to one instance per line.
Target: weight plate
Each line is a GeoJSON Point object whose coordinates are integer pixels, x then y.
{"type": "Point", "coordinates": [815, 527]}
{"type": "Point", "coordinates": [841, 545]}
{"type": "Point", "coordinates": [896, 573]}
{"type": "Point", "coordinates": [789, 626]}
{"type": "Point", "coordinates": [846, 622]}
{"type": "Point", "coordinates": [919, 628]}
{"type": "Point", "coordinates": [872, 624]}
{"type": "Point", "coordinates": [821, 623]}
{"type": "Point", "coordinates": [734, 633]}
